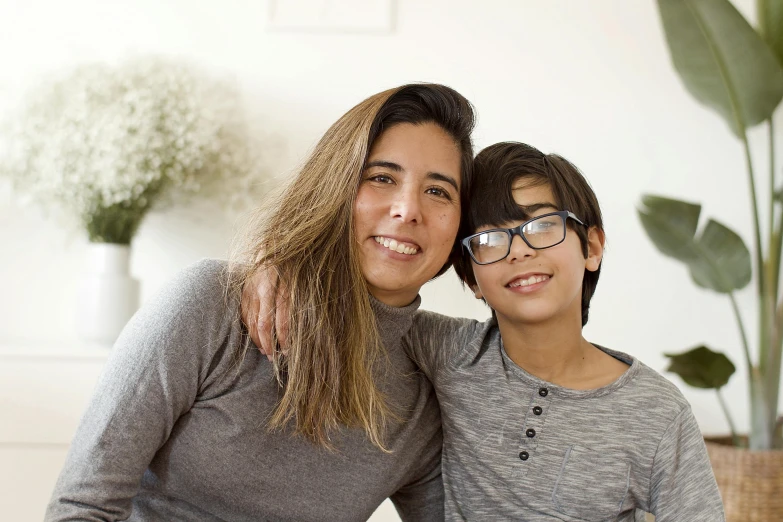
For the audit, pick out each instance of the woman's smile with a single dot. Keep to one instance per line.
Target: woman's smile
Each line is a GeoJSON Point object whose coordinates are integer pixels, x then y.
{"type": "Point", "coordinates": [401, 246]}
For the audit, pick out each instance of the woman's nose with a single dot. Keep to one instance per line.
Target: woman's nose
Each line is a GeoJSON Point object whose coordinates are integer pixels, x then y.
{"type": "Point", "coordinates": [407, 207]}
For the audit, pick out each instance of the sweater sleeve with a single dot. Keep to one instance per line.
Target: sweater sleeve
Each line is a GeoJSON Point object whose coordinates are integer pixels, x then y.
{"type": "Point", "coordinates": [422, 501]}
{"type": "Point", "coordinates": [682, 484]}
{"type": "Point", "coordinates": [152, 378]}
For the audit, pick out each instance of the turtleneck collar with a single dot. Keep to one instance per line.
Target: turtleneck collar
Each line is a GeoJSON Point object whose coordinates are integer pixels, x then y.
{"type": "Point", "coordinates": [394, 322]}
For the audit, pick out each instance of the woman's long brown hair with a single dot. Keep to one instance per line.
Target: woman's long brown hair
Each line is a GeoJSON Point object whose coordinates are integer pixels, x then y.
{"type": "Point", "coordinates": [306, 236]}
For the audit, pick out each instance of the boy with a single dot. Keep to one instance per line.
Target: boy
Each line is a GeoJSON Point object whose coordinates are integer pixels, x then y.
{"type": "Point", "coordinates": [538, 423]}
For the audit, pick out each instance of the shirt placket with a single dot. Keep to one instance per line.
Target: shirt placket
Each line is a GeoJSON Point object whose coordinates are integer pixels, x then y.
{"type": "Point", "coordinates": [533, 427]}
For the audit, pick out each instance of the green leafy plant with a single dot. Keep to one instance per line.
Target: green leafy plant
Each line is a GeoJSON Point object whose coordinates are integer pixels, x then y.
{"type": "Point", "coordinates": [735, 70]}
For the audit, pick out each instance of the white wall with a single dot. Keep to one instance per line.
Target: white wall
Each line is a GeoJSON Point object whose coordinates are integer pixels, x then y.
{"type": "Point", "coordinates": [590, 80]}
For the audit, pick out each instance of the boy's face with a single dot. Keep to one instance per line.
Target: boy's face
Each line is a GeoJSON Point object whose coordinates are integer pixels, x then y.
{"type": "Point", "coordinates": [536, 286]}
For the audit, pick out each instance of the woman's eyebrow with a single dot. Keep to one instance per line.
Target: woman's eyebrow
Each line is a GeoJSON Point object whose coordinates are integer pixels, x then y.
{"type": "Point", "coordinates": [385, 164]}
{"type": "Point", "coordinates": [444, 178]}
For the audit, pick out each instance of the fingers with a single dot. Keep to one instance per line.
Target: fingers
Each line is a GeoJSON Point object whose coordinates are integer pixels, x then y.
{"type": "Point", "coordinates": [281, 316]}
{"type": "Point", "coordinates": [257, 309]}
{"type": "Point", "coordinates": [248, 308]}
{"type": "Point", "coordinates": [265, 311]}
{"type": "Point", "coordinates": [265, 316]}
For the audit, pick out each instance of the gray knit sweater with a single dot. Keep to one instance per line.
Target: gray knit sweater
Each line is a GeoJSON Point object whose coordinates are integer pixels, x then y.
{"type": "Point", "coordinates": [176, 429]}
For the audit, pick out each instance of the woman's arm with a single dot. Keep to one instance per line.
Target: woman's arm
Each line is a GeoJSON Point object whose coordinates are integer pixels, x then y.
{"type": "Point", "coordinates": [422, 501]}
{"type": "Point", "coordinates": [151, 379]}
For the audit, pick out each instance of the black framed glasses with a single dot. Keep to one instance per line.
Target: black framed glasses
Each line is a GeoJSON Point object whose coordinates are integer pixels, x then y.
{"type": "Point", "coordinates": [546, 231]}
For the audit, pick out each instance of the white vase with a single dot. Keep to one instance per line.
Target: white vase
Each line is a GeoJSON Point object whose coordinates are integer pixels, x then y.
{"type": "Point", "coordinates": [107, 295]}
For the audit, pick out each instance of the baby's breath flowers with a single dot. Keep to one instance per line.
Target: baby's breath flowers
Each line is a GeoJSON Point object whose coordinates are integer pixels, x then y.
{"type": "Point", "coordinates": [108, 143]}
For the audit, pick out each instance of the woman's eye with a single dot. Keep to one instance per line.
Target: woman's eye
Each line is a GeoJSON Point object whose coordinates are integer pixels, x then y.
{"type": "Point", "coordinates": [439, 192]}
{"type": "Point", "coordinates": [381, 178]}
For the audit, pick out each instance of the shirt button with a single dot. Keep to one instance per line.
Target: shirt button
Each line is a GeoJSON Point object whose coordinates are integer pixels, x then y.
{"type": "Point", "coordinates": [537, 410]}
{"type": "Point", "coordinates": [524, 455]}
{"type": "Point", "coordinates": [543, 392]}
{"type": "Point", "coordinates": [530, 433]}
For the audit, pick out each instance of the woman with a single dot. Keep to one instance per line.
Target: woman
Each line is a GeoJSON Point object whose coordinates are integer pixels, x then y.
{"type": "Point", "coordinates": [189, 424]}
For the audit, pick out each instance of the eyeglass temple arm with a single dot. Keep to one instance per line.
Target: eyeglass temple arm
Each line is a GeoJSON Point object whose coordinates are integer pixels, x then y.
{"type": "Point", "coordinates": [573, 216]}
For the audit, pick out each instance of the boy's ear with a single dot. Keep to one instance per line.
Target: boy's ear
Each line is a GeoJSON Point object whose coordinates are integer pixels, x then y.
{"type": "Point", "coordinates": [477, 291]}
{"type": "Point", "coordinates": [595, 248]}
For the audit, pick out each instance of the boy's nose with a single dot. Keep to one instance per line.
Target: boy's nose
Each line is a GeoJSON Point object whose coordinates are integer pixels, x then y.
{"type": "Point", "coordinates": [519, 249]}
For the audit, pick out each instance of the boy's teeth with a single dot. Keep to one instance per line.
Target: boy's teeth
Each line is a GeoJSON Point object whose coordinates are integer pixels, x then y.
{"type": "Point", "coordinates": [392, 244]}
{"type": "Point", "coordinates": [529, 281]}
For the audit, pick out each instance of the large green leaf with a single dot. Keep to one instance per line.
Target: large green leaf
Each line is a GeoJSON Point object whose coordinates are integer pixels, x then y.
{"type": "Point", "coordinates": [722, 60]}
{"type": "Point", "coordinates": [671, 225]}
{"type": "Point", "coordinates": [717, 258]}
{"type": "Point", "coordinates": [701, 367]}
{"type": "Point", "coordinates": [729, 256]}
{"type": "Point", "coordinates": [770, 13]}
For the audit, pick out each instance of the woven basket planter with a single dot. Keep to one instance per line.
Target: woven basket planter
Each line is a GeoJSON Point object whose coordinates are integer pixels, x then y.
{"type": "Point", "coordinates": [750, 482]}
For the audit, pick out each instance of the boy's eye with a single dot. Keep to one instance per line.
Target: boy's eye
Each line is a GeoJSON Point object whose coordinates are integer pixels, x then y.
{"type": "Point", "coordinates": [544, 225]}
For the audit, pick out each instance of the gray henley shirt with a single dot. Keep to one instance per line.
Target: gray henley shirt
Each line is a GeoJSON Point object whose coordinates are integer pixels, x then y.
{"type": "Point", "coordinates": [519, 448]}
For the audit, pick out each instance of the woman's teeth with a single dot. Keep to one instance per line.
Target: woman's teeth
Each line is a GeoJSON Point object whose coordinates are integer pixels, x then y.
{"type": "Point", "coordinates": [392, 244]}
{"type": "Point", "coordinates": [529, 281]}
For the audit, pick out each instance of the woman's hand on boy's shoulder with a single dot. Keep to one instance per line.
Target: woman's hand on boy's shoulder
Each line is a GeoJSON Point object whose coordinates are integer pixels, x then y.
{"type": "Point", "coordinates": [264, 310]}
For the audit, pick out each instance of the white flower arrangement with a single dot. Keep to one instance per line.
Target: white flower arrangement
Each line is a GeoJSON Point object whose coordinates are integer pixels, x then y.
{"type": "Point", "coordinates": [109, 143]}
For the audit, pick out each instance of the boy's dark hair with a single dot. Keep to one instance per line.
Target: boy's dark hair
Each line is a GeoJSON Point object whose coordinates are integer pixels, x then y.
{"type": "Point", "coordinates": [497, 168]}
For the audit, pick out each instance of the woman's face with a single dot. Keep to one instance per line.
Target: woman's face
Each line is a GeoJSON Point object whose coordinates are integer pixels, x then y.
{"type": "Point", "coordinates": [407, 210]}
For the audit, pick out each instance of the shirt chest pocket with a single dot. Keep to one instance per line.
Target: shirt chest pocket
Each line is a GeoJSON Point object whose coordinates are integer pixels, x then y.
{"type": "Point", "coordinates": [592, 484]}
